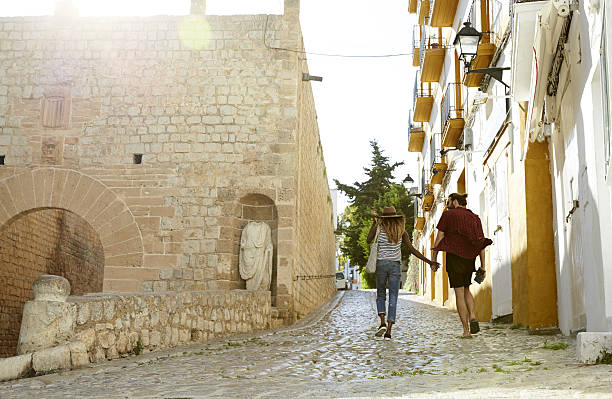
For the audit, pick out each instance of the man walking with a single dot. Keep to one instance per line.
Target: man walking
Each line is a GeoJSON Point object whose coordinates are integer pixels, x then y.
{"type": "Point", "coordinates": [460, 235]}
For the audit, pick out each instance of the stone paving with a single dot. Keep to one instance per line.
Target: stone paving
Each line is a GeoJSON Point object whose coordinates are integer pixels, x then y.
{"type": "Point", "coordinates": [334, 354]}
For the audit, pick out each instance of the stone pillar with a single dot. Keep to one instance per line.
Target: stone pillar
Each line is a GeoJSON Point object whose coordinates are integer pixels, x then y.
{"type": "Point", "coordinates": [198, 7]}
{"type": "Point", "coordinates": [66, 9]}
{"type": "Point", "coordinates": [292, 10]}
{"type": "Point", "coordinates": [48, 320]}
{"type": "Point", "coordinates": [292, 6]}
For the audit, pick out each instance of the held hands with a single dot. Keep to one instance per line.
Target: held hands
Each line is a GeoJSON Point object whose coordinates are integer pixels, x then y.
{"type": "Point", "coordinates": [434, 266]}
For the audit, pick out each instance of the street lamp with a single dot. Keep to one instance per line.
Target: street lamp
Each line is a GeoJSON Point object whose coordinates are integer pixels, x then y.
{"type": "Point", "coordinates": [411, 191]}
{"type": "Point", "coordinates": [466, 41]}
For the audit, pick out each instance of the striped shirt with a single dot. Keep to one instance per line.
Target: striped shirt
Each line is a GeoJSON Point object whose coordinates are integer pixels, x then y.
{"type": "Point", "coordinates": [386, 249]}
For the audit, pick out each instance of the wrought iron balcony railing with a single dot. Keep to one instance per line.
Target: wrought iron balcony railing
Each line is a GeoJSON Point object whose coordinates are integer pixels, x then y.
{"type": "Point", "coordinates": [416, 36]}
{"type": "Point", "coordinates": [435, 157]}
{"type": "Point", "coordinates": [431, 41]}
{"type": "Point", "coordinates": [453, 102]}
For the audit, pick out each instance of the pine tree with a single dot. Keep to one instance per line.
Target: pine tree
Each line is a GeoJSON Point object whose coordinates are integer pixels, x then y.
{"type": "Point", "coordinates": [375, 193]}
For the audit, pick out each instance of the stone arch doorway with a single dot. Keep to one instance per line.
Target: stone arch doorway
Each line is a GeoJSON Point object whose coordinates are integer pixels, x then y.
{"type": "Point", "coordinates": [44, 241]}
{"type": "Point", "coordinates": [73, 196]}
{"type": "Point", "coordinates": [260, 208]}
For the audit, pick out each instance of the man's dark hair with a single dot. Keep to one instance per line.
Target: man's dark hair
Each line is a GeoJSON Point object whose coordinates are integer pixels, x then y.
{"type": "Point", "coordinates": [461, 198]}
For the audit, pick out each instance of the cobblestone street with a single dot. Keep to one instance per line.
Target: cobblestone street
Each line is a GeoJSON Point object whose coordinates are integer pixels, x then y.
{"type": "Point", "coordinates": [335, 354]}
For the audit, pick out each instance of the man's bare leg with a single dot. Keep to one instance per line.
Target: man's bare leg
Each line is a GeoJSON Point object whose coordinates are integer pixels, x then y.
{"type": "Point", "coordinates": [469, 301]}
{"type": "Point", "coordinates": [462, 310]}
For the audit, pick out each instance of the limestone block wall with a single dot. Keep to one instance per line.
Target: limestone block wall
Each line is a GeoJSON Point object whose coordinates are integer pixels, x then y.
{"type": "Point", "coordinates": [315, 238]}
{"type": "Point", "coordinates": [114, 325]}
{"type": "Point", "coordinates": [206, 122]}
{"type": "Point", "coordinates": [156, 141]}
{"type": "Point", "coordinates": [49, 241]}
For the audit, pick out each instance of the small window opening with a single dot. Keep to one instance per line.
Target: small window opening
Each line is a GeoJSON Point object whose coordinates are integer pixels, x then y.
{"type": "Point", "coordinates": [2, 159]}
{"type": "Point", "coordinates": [137, 159]}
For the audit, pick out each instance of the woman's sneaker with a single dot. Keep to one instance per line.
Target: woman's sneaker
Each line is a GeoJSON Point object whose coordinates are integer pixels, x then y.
{"type": "Point", "coordinates": [381, 330]}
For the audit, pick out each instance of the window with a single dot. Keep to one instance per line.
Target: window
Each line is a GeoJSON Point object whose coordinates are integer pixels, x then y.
{"type": "Point", "coordinates": [56, 107]}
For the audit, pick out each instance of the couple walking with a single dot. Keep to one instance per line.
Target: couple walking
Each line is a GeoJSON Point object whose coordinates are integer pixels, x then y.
{"type": "Point", "coordinates": [460, 235]}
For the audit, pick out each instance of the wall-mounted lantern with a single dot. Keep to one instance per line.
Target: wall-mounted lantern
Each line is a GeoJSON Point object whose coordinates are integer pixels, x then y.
{"type": "Point", "coordinates": [410, 190]}
{"type": "Point", "coordinates": [466, 41]}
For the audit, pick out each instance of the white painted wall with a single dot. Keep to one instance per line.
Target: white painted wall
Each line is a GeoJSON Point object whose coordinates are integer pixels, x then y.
{"type": "Point", "coordinates": [582, 240]}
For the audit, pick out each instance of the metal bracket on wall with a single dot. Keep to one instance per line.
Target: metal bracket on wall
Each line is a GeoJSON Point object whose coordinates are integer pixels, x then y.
{"type": "Point", "coordinates": [571, 212]}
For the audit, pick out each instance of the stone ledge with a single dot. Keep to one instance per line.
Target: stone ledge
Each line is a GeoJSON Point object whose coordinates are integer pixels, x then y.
{"type": "Point", "coordinates": [15, 367]}
{"type": "Point", "coordinates": [51, 359]}
{"type": "Point", "coordinates": [590, 345]}
{"type": "Point", "coordinates": [62, 357]}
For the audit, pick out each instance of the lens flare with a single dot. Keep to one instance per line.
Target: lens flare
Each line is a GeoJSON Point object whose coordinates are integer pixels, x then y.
{"type": "Point", "coordinates": [194, 32]}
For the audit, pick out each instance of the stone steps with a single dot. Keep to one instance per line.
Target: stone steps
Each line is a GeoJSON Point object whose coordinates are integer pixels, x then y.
{"type": "Point", "coordinates": [278, 317]}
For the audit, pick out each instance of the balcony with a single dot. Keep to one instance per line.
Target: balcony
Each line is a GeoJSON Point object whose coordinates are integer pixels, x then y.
{"type": "Point", "coordinates": [413, 6]}
{"type": "Point", "coordinates": [419, 219]}
{"type": "Point", "coordinates": [416, 137]}
{"type": "Point", "coordinates": [438, 162]}
{"type": "Point", "coordinates": [432, 52]}
{"type": "Point", "coordinates": [423, 100]}
{"type": "Point", "coordinates": [423, 11]}
{"type": "Point", "coordinates": [443, 13]}
{"type": "Point", "coordinates": [416, 43]}
{"type": "Point", "coordinates": [483, 59]}
{"type": "Point", "coordinates": [452, 114]}
{"type": "Point", "coordinates": [428, 197]}
{"type": "Point", "coordinates": [485, 16]}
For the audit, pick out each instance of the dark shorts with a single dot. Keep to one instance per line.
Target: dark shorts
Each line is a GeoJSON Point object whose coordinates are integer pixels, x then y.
{"type": "Point", "coordinates": [459, 270]}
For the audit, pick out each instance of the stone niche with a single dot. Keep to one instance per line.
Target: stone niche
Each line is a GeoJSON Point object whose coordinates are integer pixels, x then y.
{"type": "Point", "coordinates": [44, 241]}
{"type": "Point", "coordinates": [260, 208]}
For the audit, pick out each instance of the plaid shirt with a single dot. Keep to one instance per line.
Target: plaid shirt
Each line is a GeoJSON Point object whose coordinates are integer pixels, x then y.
{"type": "Point", "coordinates": [463, 234]}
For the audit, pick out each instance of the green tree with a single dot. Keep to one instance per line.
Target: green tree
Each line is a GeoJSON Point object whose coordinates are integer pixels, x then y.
{"type": "Point", "coordinates": [376, 192]}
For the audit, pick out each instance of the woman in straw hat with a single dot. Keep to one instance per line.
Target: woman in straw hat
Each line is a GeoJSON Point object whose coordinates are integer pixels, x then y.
{"type": "Point", "coordinates": [388, 262]}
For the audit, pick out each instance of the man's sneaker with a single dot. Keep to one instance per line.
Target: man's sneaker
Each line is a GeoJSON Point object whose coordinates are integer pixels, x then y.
{"type": "Point", "coordinates": [388, 335]}
{"type": "Point", "coordinates": [381, 330]}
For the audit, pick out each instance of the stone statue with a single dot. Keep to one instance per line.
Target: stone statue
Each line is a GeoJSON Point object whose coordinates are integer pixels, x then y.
{"type": "Point", "coordinates": [256, 256]}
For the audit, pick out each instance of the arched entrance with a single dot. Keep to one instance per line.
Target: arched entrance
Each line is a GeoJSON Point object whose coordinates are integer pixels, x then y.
{"type": "Point", "coordinates": [44, 241]}
{"type": "Point", "coordinates": [76, 205]}
{"type": "Point", "coordinates": [260, 208]}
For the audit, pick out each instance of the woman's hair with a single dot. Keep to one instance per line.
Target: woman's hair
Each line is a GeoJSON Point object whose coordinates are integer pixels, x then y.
{"type": "Point", "coordinates": [461, 198]}
{"type": "Point", "coordinates": [394, 228]}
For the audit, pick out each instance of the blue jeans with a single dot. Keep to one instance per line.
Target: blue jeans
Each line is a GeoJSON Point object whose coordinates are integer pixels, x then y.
{"type": "Point", "coordinates": [387, 271]}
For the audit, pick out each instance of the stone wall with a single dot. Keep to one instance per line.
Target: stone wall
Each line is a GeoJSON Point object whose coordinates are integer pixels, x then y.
{"type": "Point", "coordinates": [205, 121]}
{"type": "Point", "coordinates": [315, 238]}
{"type": "Point", "coordinates": [115, 325]}
{"type": "Point", "coordinates": [154, 137]}
{"type": "Point", "coordinates": [49, 241]}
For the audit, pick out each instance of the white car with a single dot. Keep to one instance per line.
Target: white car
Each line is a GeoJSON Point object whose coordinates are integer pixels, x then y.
{"type": "Point", "coordinates": [341, 282]}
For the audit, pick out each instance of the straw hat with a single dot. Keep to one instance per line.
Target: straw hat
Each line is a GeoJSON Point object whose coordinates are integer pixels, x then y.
{"type": "Point", "coordinates": [389, 212]}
